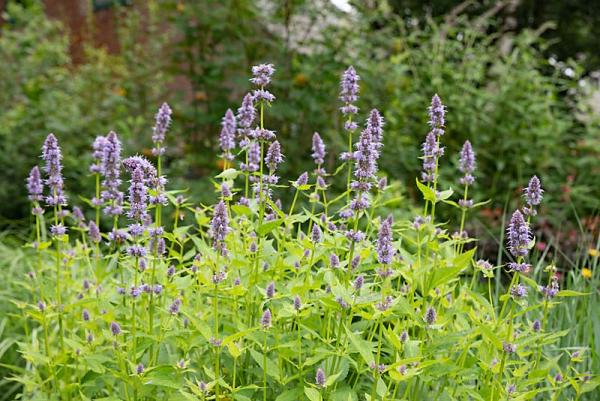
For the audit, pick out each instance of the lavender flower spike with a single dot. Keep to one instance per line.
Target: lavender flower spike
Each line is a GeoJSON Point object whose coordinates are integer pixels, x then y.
{"type": "Point", "coordinates": [349, 92]}
{"type": "Point", "coordinates": [320, 379]}
{"type": "Point", "coordinates": [431, 153]}
{"type": "Point", "coordinates": [385, 250]}
{"type": "Point", "coordinates": [318, 148]}
{"type": "Point", "coordinates": [375, 126]}
{"type": "Point", "coordinates": [265, 321]}
{"type": "Point", "coordinates": [262, 74]}
{"type": "Point", "coordinates": [246, 114]}
{"type": "Point", "coordinates": [219, 226]}
{"type": "Point", "coordinates": [437, 112]}
{"type": "Point", "coordinates": [98, 150]}
{"type": "Point", "coordinates": [35, 186]}
{"type": "Point", "coordinates": [52, 156]}
{"type": "Point", "coordinates": [533, 195]}
{"type": "Point", "coordinates": [274, 157]}
{"type": "Point", "coordinates": [227, 137]}
{"type": "Point", "coordinates": [138, 196]}
{"type": "Point", "coordinates": [518, 235]}
{"type": "Point", "coordinates": [110, 167]}
{"type": "Point", "coordinates": [466, 163]}
{"type": "Point", "coordinates": [163, 120]}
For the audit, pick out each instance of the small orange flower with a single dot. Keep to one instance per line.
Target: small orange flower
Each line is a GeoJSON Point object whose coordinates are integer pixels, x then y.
{"type": "Point", "coordinates": [586, 273]}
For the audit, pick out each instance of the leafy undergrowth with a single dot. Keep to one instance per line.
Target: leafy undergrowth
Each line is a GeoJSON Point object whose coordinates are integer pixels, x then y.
{"type": "Point", "coordinates": [156, 297]}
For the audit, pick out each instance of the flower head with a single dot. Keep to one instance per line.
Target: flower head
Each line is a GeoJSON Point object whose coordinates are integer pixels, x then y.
{"type": "Point", "coordinates": [138, 195]}
{"type": "Point", "coordinates": [430, 315]}
{"type": "Point", "coordinates": [115, 329]}
{"type": "Point", "coordinates": [320, 379]}
{"type": "Point", "coordinates": [375, 126]}
{"type": "Point", "coordinates": [318, 148]}
{"type": "Point", "coordinates": [227, 137]}
{"type": "Point", "coordinates": [162, 122]}
{"type": "Point", "coordinates": [274, 157]}
{"type": "Point", "coordinates": [246, 114]}
{"type": "Point", "coordinates": [533, 195]}
{"type": "Point", "coordinates": [466, 164]}
{"type": "Point", "coordinates": [349, 91]}
{"type": "Point", "coordinates": [385, 250]}
{"type": "Point", "coordinates": [518, 235]}
{"type": "Point", "coordinates": [97, 151]}
{"type": "Point", "coordinates": [437, 112]}
{"type": "Point", "coordinates": [265, 321]}
{"type": "Point", "coordinates": [111, 171]}
{"type": "Point", "coordinates": [262, 74]}
{"type": "Point", "coordinates": [35, 186]}
{"type": "Point", "coordinates": [219, 226]}
{"type": "Point", "coordinates": [52, 156]}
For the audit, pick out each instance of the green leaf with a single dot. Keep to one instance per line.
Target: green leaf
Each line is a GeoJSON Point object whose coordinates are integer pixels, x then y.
{"type": "Point", "coordinates": [571, 293]}
{"type": "Point", "coordinates": [313, 394]}
{"type": "Point", "coordinates": [428, 193]}
{"type": "Point", "coordinates": [362, 346]}
{"type": "Point", "coordinates": [269, 226]}
{"type": "Point", "coordinates": [271, 366]}
{"type": "Point", "coordinates": [290, 395]}
{"type": "Point", "coordinates": [446, 274]}
{"type": "Point", "coordinates": [229, 174]}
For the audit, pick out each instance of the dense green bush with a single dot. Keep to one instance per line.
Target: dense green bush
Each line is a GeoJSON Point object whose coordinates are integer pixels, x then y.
{"type": "Point", "coordinates": [253, 298]}
{"type": "Point", "coordinates": [41, 91]}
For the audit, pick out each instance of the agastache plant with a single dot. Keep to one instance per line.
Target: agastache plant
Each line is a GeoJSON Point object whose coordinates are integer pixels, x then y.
{"type": "Point", "coordinates": [336, 296]}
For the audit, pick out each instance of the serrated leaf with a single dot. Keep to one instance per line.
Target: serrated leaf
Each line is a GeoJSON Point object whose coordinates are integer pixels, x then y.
{"type": "Point", "coordinates": [229, 174]}
{"type": "Point", "coordinates": [428, 193]}
{"type": "Point", "coordinates": [269, 226]}
{"type": "Point", "coordinates": [362, 346]}
{"type": "Point", "coordinates": [313, 394]}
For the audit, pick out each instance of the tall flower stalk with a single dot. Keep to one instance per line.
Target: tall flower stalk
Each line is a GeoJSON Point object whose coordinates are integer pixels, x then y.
{"type": "Point", "coordinates": [349, 95]}
{"type": "Point", "coordinates": [52, 156]}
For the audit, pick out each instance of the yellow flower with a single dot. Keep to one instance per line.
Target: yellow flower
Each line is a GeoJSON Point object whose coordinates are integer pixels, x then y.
{"type": "Point", "coordinates": [593, 252]}
{"type": "Point", "coordinates": [587, 273]}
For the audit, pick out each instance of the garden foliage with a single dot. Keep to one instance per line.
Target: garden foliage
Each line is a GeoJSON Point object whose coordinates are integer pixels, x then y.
{"type": "Point", "coordinates": [140, 293]}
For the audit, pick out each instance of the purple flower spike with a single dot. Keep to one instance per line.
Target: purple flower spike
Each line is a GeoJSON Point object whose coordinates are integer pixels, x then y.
{"type": "Point", "coordinates": [430, 316]}
{"type": "Point", "coordinates": [375, 126]}
{"type": "Point", "coordinates": [163, 120]}
{"type": "Point", "coordinates": [316, 234]}
{"type": "Point", "coordinates": [318, 148]}
{"type": "Point", "coordinates": [246, 114]}
{"type": "Point", "coordinates": [518, 291]}
{"type": "Point", "coordinates": [466, 164]}
{"type": "Point", "coordinates": [320, 379]}
{"type": "Point", "coordinates": [94, 232]}
{"type": "Point", "coordinates": [270, 290]}
{"type": "Point", "coordinates": [115, 329]}
{"type": "Point", "coordinates": [253, 158]}
{"type": "Point", "coordinates": [53, 168]}
{"type": "Point", "coordinates": [533, 195]}
{"type": "Point", "coordinates": [274, 157]}
{"type": "Point", "coordinates": [265, 321]}
{"type": "Point", "coordinates": [219, 226]}
{"type": "Point", "coordinates": [437, 113]}
{"type": "Point", "coordinates": [297, 303]}
{"type": "Point", "coordinates": [262, 74]}
{"type": "Point", "coordinates": [35, 186]}
{"type": "Point", "coordinates": [349, 92]}
{"type": "Point", "coordinates": [385, 250]}
{"type": "Point", "coordinates": [138, 196]}
{"type": "Point", "coordinates": [97, 152]}
{"type": "Point", "coordinates": [302, 179]}
{"type": "Point", "coordinates": [227, 137]}
{"type": "Point", "coordinates": [366, 156]}
{"type": "Point", "coordinates": [431, 153]}
{"type": "Point", "coordinates": [518, 235]}
{"type": "Point", "coordinates": [111, 170]}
